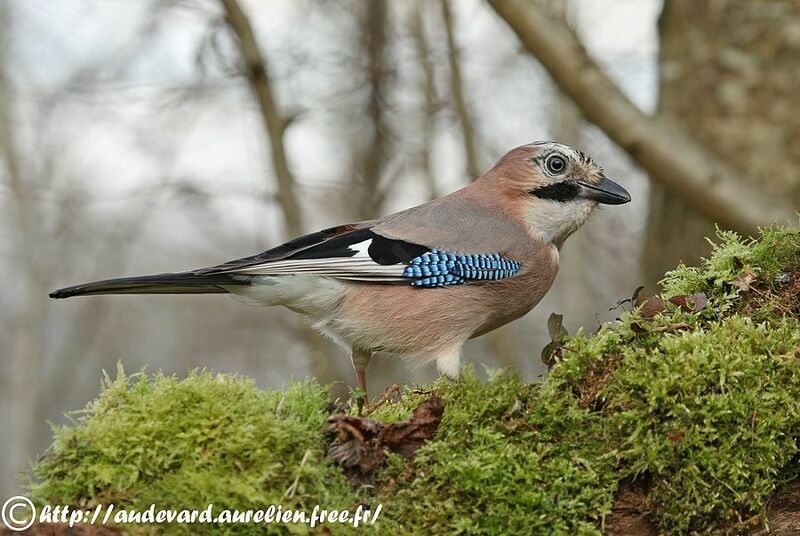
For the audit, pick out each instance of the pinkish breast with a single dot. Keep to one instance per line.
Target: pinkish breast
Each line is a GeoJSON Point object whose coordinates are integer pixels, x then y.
{"type": "Point", "coordinates": [404, 319]}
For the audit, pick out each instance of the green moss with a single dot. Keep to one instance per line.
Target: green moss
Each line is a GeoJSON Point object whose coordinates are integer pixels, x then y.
{"type": "Point", "coordinates": [700, 408]}
{"type": "Point", "coordinates": [710, 416]}
{"type": "Point", "coordinates": [508, 459]}
{"type": "Point", "coordinates": [188, 443]}
{"type": "Point", "coordinates": [777, 250]}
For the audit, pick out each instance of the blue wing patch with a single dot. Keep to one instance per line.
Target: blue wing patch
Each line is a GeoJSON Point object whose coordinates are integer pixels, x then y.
{"type": "Point", "coordinates": [439, 269]}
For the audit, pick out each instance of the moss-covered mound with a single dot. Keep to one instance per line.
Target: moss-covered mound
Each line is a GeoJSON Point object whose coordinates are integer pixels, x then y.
{"type": "Point", "coordinates": [693, 403]}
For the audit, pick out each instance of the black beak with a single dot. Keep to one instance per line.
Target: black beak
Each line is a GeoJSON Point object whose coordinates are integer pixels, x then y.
{"type": "Point", "coordinates": [607, 192]}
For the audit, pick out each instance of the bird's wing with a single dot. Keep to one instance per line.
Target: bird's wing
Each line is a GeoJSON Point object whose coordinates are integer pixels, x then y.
{"type": "Point", "coordinates": [360, 253]}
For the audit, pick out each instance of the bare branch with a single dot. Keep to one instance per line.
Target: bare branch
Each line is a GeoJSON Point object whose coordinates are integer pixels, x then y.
{"type": "Point", "coordinates": [665, 151]}
{"type": "Point", "coordinates": [457, 91]}
{"type": "Point", "coordinates": [274, 123]}
{"type": "Point", "coordinates": [374, 41]}
{"type": "Point", "coordinates": [428, 89]}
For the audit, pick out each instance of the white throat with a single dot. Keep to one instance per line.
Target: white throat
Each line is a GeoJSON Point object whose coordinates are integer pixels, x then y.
{"type": "Point", "coordinates": [553, 222]}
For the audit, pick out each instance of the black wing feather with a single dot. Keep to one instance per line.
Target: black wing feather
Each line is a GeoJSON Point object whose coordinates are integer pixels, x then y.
{"type": "Point", "coordinates": [334, 242]}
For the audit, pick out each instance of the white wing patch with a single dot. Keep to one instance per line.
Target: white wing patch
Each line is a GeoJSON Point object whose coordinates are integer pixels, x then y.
{"type": "Point", "coordinates": [361, 248]}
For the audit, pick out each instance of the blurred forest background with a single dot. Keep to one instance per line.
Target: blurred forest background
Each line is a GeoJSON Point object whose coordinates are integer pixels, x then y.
{"type": "Point", "coordinates": [144, 136]}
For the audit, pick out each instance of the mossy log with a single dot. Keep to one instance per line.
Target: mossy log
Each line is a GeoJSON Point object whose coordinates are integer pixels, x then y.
{"type": "Point", "coordinates": [682, 416]}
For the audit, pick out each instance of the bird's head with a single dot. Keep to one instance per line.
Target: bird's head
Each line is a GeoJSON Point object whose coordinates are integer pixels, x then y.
{"type": "Point", "coordinates": [553, 188]}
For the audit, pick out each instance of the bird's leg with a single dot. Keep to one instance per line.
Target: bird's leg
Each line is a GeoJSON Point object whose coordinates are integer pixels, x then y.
{"type": "Point", "coordinates": [360, 360]}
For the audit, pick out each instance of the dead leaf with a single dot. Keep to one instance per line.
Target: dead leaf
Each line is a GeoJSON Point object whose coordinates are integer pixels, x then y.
{"type": "Point", "coordinates": [690, 304]}
{"type": "Point", "coordinates": [675, 437]}
{"type": "Point", "coordinates": [355, 446]}
{"type": "Point", "coordinates": [651, 307]}
{"type": "Point", "coordinates": [558, 333]}
{"type": "Point", "coordinates": [632, 300]}
{"type": "Point", "coordinates": [556, 327]}
{"type": "Point", "coordinates": [406, 437]}
{"type": "Point", "coordinates": [551, 353]}
{"type": "Point", "coordinates": [361, 443]}
{"type": "Point", "coordinates": [743, 281]}
{"type": "Point", "coordinates": [636, 294]}
{"type": "Point", "coordinates": [700, 301]}
{"type": "Point", "coordinates": [638, 328]}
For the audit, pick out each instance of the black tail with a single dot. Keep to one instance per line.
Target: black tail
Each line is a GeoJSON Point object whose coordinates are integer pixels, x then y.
{"type": "Point", "coordinates": [178, 283]}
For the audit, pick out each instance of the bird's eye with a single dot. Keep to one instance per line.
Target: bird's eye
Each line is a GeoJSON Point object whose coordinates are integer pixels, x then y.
{"type": "Point", "coordinates": [555, 164]}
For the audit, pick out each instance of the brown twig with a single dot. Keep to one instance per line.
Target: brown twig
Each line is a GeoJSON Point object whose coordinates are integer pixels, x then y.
{"type": "Point", "coordinates": [381, 400]}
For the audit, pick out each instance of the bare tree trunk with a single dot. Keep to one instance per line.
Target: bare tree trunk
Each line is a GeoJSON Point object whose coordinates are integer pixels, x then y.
{"type": "Point", "coordinates": [457, 93]}
{"type": "Point", "coordinates": [713, 83]}
{"type": "Point", "coordinates": [275, 124]}
{"type": "Point", "coordinates": [668, 153]}
{"type": "Point", "coordinates": [26, 349]}
{"type": "Point", "coordinates": [373, 190]}
{"type": "Point", "coordinates": [428, 90]}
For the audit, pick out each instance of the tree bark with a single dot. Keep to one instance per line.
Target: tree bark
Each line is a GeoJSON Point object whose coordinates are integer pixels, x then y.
{"type": "Point", "coordinates": [428, 91]}
{"type": "Point", "coordinates": [373, 189]}
{"type": "Point", "coordinates": [667, 152]}
{"type": "Point", "coordinates": [629, 518]}
{"type": "Point", "coordinates": [728, 74]}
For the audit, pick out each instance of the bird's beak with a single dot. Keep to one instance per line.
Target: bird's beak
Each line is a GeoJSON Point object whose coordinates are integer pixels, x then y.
{"type": "Point", "coordinates": [607, 192]}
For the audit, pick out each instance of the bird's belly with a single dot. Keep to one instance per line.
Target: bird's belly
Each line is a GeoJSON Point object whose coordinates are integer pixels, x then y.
{"type": "Point", "coordinates": [518, 298]}
{"type": "Point", "coordinates": [406, 320]}
{"type": "Point", "coordinates": [402, 319]}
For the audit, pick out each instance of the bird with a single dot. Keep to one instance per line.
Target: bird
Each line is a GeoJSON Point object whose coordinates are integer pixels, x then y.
{"type": "Point", "coordinates": [421, 282]}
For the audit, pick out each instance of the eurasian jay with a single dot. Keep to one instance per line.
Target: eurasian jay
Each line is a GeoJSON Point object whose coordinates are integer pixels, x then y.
{"type": "Point", "coordinates": [421, 282]}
